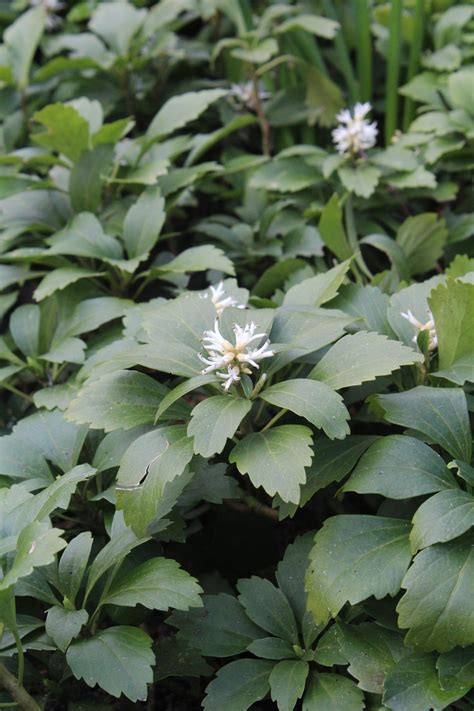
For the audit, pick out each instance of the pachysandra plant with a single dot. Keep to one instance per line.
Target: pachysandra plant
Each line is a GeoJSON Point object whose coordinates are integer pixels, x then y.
{"type": "Point", "coordinates": [236, 356]}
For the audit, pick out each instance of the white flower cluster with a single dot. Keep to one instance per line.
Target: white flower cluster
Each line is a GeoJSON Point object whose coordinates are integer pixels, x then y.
{"type": "Point", "coordinates": [220, 300]}
{"type": "Point", "coordinates": [233, 358]}
{"type": "Point", "coordinates": [428, 326]}
{"type": "Point", "coordinates": [355, 134]}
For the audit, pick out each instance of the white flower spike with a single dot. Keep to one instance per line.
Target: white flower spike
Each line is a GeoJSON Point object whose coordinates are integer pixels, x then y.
{"type": "Point", "coordinates": [221, 301]}
{"type": "Point", "coordinates": [355, 134]}
{"type": "Point", "coordinates": [428, 326]}
{"type": "Point", "coordinates": [233, 359]}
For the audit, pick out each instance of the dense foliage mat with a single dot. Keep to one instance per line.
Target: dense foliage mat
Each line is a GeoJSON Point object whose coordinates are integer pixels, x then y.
{"type": "Point", "coordinates": [236, 355]}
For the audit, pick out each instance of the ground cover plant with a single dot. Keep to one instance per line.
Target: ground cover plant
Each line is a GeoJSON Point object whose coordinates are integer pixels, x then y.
{"type": "Point", "coordinates": [236, 355]}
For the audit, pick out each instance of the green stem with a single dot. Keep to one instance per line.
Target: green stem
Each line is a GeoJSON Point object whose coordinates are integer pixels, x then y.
{"type": "Point", "coordinates": [414, 59]}
{"type": "Point", "coordinates": [393, 70]}
{"type": "Point", "coordinates": [364, 49]}
{"type": "Point", "coordinates": [264, 124]}
{"type": "Point", "coordinates": [21, 657]}
{"type": "Point", "coordinates": [274, 419]}
{"type": "Point", "coordinates": [16, 690]}
{"type": "Point", "coordinates": [15, 391]}
{"type": "Point", "coordinates": [352, 237]}
{"type": "Point", "coordinates": [95, 615]}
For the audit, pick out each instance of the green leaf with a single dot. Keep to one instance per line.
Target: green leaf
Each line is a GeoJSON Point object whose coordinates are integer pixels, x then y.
{"type": "Point", "coordinates": [122, 541]}
{"type": "Point", "coordinates": [317, 25]}
{"type": "Point", "coordinates": [180, 110]}
{"type": "Point", "coordinates": [366, 303]}
{"type": "Point", "coordinates": [84, 237]}
{"type": "Point", "coordinates": [214, 421]}
{"type": "Point", "coordinates": [209, 483]}
{"type": "Point", "coordinates": [271, 648]}
{"type": "Point", "coordinates": [100, 403]}
{"type": "Point", "coordinates": [150, 478]}
{"type": "Point", "coordinates": [346, 552]}
{"type": "Point", "coordinates": [267, 606]}
{"type": "Point", "coordinates": [49, 434]}
{"type": "Point", "coordinates": [396, 158]}
{"type": "Point", "coordinates": [73, 564]}
{"type": "Point", "coordinates": [18, 461]}
{"type": "Point", "coordinates": [304, 330]}
{"type": "Point", "coordinates": [275, 459]}
{"type": "Point", "coordinates": [21, 39]}
{"type": "Point", "coordinates": [422, 238]}
{"type": "Point", "coordinates": [36, 545]}
{"type": "Point", "coordinates": [175, 657]}
{"type": "Point", "coordinates": [361, 357]}
{"type": "Point", "coordinates": [285, 175]}
{"type": "Point", "coordinates": [446, 59]}
{"type": "Point", "coordinates": [67, 131]}
{"type": "Point", "coordinates": [387, 245]}
{"type": "Point", "coordinates": [64, 625]}
{"type": "Point", "coordinates": [113, 132]}
{"type": "Point", "coordinates": [452, 305]}
{"type": "Point", "coordinates": [117, 23]}
{"type": "Point", "coordinates": [114, 445]}
{"type": "Point", "coordinates": [439, 413]}
{"type": "Point", "coordinates": [198, 259]}
{"type": "Point", "coordinates": [370, 650]}
{"type": "Point", "coordinates": [333, 462]}
{"type": "Point", "coordinates": [438, 593]}
{"type": "Point", "coordinates": [456, 668]}
{"type": "Point", "coordinates": [319, 289]}
{"type": "Point", "coordinates": [175, 330]}
{"type": "Point", "coordinates": [158, 584]}
{"type": "Point", "coordinates": [291, 571]}
{"type": "Point", "coordinates": [275, 276]}
{"type": "Point", "coordinates": [443, 517]}
{"type": "Point", "coordinates": [59, 279]}
{"type": "Point", "coordinates": [25, 328]}
{"type": "Point", "coordinates": [332, 692]}
{"type": "Point", "coordinates": [55, 397]}
{"type": "Point", "coordinates": [143, 223]}
{"type": "Point", "coordinates": [413, 684]}
{"type": "Point", "coordinates": [331, 229]}
{"type": "Point", "coordinates": [88, 176]}
{"type": "Point", "coordinates": [418, 178]}
{"type": "Point", "coordinates": [221, 629]}
{"type": "Point", "coordinates": [315, 401]}
{"type": "Point", "coordinates": [182, 389]}
{"type": "Point", "coordinates": [92, 313]}
{"type": "Point", "coordinates": [58, 494]}
{"type": "Point", "coordinates": [260, 54]}
{"type": "Point", "coordinates": [238, 685]}
{"type": "Point", "coordinates": [118, 659]}
{"type": "Point", "coordinates": [460, 371]}
{"type": "Point", "coordinates": [400, 467]}
{"type": "Point", "coordinates": [287, 683]}
{"type": "Point", "coordinates": [361, 180]}
{"type": "Point", "coordinates": [323, 98]}
{"type": "Point", "coordinates": [458, 88]}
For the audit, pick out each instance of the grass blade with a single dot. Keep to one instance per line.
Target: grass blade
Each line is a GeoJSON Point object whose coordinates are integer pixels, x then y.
{"type": "Point", "coordinates": [342, 53]}
{"type": "Point", "coordinates": [414, 59]}
{"type": "Point", "coordinates": [364, 49]}
{"type": "Point", "coordinates": [393, 70]}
